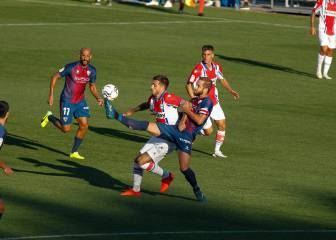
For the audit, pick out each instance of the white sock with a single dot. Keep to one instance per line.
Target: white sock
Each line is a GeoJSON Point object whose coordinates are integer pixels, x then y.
{"type": "Point", "coordinates": [137, 177]}
{"type": "Point", "coordinates": [219, 140]}
{"type": "Point", "coordinates": [327, 63]}
{"type": "Point", "coordinates": [320, 59]}
{"type": "Point", "coordinates": [153, 167]}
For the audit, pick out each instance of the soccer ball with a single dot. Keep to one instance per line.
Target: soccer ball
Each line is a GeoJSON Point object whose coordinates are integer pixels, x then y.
{"type": "Point", "coordinates": [110, 92]}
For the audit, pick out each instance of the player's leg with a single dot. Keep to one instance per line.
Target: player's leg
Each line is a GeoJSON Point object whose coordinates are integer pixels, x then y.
{"type": "Point", "coordinates": [81, 112]}
{"type": "Point", "coordinates": [201, 7]}
{"type": "Point", "coordinates": [218, 116]}
{"type": "Point", "coordinates": [150, 127]}
{"type": "Point", "coordinates": [328, 56]}
{"type": "Point", "coordinates": [184, 160]}
{"type": "Point", "coordinates": [324, 41]}
{"type": "Point", "coordinates": [64, 122]}
{"type": "Point", "coordinates": [181, 7]}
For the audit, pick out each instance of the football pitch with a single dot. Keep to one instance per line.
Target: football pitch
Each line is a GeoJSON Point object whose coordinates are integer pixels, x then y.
{"type": "Point", "coordinates": [278, 181]}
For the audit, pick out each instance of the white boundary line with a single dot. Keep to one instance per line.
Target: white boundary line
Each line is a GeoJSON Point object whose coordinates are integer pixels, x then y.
{"type": "Point", "coordinates": [169, 233]}
{"type": "Point", "coordinates": [167, 14]}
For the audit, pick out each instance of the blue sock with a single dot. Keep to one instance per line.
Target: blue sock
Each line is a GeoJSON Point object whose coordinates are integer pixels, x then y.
{"type": "Point", "coordinates": [191, 178]}
{"type": "Point", "coordinates": [54, 120]}
{"type": "Point", "coordinates": [76, 144]}
{"type": "Point", "coordinates": [132, 124]}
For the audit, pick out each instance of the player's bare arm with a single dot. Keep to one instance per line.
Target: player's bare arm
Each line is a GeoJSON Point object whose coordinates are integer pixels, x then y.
{"type": "Point", "coordinates": [7, 170]}
{"type": "Point", "coordinates": [312, 24]}
{"type": "Point", "coordinates": [53, 80]}
{"type": "Point", "coordinates": [198, 118]}
{"type": "Point", "coordinates": [182, 123]}
{"type": "Point", "coordinates": [227, 86]}
{"type": "Point", "coordinates": [190, 90]}
{"type": "Point", "coordinates": [141, 107]}
{"type": "Point", "coordinates": [94, 93]}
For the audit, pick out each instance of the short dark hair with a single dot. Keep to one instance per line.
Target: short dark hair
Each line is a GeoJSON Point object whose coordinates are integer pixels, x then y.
{"type": "Point", "coordinates": [207, 83]}
{"type": "Point", "coordinates": [207, 47]}
{"type": "Point", "coordinates": [4, 108]}
{"type": "Point", "coordinates": [162, 79]}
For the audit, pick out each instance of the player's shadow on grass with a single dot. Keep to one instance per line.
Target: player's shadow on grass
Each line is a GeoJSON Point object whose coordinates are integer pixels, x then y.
{"type": "Point", "coordinates": [12, 139]}
{"type": "Point", "coordinates": [110, 132]}
{"type": "Point", "coordinates": [265, 65]}
{"type": "Point", "coordinates": [93, 176]}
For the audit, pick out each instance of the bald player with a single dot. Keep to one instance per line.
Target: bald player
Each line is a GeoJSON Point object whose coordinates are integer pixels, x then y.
{"type": "Point", "coordinates": [72, 101]}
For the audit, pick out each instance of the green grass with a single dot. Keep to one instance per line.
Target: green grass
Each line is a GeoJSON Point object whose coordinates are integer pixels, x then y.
{"type": "Point", "coordinates": [280, 174]}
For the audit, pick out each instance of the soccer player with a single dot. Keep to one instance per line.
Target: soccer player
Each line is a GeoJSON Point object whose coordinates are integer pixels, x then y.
{"type": "Point", "coordinates": [4, 113]}
{"type": "Point", "coordinates": [72, 103]}
{"type": "Point", "coordinates": [208, 68]}
{"type": "Point", "coordinates": [182, 134]}
{"type": "Point", "coordinates": [326, 34]}
{"type": "Point", "coordinates": [164, 106]}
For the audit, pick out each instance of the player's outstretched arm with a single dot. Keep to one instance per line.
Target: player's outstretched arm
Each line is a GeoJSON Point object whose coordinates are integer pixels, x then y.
{"type": "Point", "coordinates": [53, 81]}
{"type": "Point", "coordinates": [7, 170]}
{"type": "Point", "coordinates": [141, 107]}
{"type": "Point", "coordinates": [190, 90]}
{"type": "Point", "coordinates": [227, 86]}
{"type": "Point", "coordinates": [94, 93]}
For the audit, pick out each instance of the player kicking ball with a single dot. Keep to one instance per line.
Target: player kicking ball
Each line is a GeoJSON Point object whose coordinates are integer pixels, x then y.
{"type": "Point", "coordinates": [72, 102]}
{"type": "Point", "coordinates": [163, 106]}
{"type": "Point", "coordinates": [183, 134]}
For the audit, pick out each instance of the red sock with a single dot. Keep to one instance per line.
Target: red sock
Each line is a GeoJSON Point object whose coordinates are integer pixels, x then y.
{"type": "Point", "coordinates": [201, 6]}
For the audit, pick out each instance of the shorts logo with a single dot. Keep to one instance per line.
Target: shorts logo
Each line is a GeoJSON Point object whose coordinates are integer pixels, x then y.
{"type": "Point", "coordinates": [185, 141]}
{"type": "Point", "coordinates": [86, 108]}
{"type": "Point", "coordinates": [65, 119]}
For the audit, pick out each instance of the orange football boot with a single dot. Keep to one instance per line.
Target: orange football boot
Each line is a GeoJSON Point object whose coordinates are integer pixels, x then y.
{"type": "Point", "coordinates": [130, 192]}
{"type": "Point", "coordinates": [166, 182]}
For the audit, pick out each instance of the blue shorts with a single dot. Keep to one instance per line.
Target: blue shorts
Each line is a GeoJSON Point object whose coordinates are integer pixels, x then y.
{"type": "Point", "coordinates": [183, 140]}
{"type": "Point", "coordinates": [77, 110]}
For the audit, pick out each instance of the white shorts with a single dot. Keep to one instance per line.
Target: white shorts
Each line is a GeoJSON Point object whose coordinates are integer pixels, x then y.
{"type": "Point", "coordinates": [157, 148]}
{"type": "Point", "coordinates": [216, 114]}
{"type": "Point", "coordinates": [327, 40]}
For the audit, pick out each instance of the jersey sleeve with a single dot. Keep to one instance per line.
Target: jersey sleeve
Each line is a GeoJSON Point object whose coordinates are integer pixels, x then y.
{"type": "Point", "coordinates": [317, 6]}
{"type": "Point", "coordinates": [93, 76]}
{"type": "Point", "coordinates": [66, 70]}
{"type": "Point", "coordinates": [219, 72]}
{"type": "Point", "coordinates": [172, 100]}
{"type": "Point", "coordinates": [195, 74]}
{"type": "Point", "coordinates": [205, 107]}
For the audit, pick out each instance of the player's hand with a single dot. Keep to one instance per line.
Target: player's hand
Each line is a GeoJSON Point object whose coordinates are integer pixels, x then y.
{"type": "Point", "coordinates": [234, 94]}
{"type": "Point", "coordinates": [100, 101]}
{"type": "Point", "coordinates": [50, 100]}
{"type": "Point", "coordinates": [8, 171]}
{"type": "Point", "coordinates": [313, 31]}
{"type": "Point", "coordinates": [186, 106]}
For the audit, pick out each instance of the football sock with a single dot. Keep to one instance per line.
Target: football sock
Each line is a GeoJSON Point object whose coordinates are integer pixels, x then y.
{"type": "Point", "coordinates": [219, 140]}
{"type": "Point", "coordinates": [54, 120]}
{"type": "Point", "coordinates": [77, 143]}
{"type": "Point", "coordinates": [201, 6]}
{"type": "Point", "coordinates": [131, 123]}
{"type": "Point", "coordinates": [155, 168]}
{"type": "Point", "coordinates": [190, 176]}
{"type": "Point", "coordinates": [137, 177]}
{"type": "Point", "coordinates": [327, 63]}
{"type": "Point", "coordinates": [320, 59]}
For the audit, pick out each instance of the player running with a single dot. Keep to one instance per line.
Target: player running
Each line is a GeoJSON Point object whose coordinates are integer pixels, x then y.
{"type": "Point", "coordinates": [208, 68]}
{"type": "Point", "coordinates": [72, 102]}
{"type": "Point", "coordinates": [4, 113]}
{"type": "Point", "coordinates": [164, 106]}
{"type": "Point", "coordinates": [182, 134]}
{"type": "Point", "coordinates": [327, 10]}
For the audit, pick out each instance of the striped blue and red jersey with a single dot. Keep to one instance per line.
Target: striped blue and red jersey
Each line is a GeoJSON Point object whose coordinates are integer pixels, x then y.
{"type": "Point", "coordinates": [199, 106]}
{"type": "Point", "coordinates": [76, 78]}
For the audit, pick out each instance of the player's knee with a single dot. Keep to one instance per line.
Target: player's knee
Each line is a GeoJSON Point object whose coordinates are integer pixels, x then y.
{"type": "Point", "coordinates": [66, 129]}
{"type": "Point", "coordinates": [84, 127]}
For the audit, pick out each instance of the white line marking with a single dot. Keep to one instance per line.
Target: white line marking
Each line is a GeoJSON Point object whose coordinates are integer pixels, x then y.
{"type": "Point", "coordinates": [169, 233]}
{"type": "Point", "coordinates": [168, 14]}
